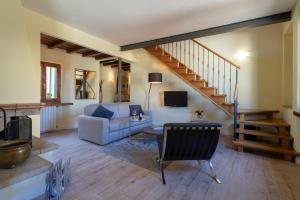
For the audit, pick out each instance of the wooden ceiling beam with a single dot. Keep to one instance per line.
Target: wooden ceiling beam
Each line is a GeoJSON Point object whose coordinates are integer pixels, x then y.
{"type": "Point", "coordinates": [273, 19]}
{"type": "Point", "coordinates": [56, 44]}
{"type": "Point", "coordinates": [75, 49]}
{"type": "Point", "coordinates": [110, 60]}
{"type": "Point", "coordinates": [123, 65]}
{"type": "Point", "coordinates": [91, 54]}
{"type": "Point", "coordinates": [110, 63]}
{"type": "Point", "coordinates": [102, 56]}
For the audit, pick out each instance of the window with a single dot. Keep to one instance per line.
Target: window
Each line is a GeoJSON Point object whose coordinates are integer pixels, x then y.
{"type": "Point", "coordinates": [50, 80]}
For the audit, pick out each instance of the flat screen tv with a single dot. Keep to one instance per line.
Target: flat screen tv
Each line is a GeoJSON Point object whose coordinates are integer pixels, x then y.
{"type": "Point", "coordinates": [175, 98]}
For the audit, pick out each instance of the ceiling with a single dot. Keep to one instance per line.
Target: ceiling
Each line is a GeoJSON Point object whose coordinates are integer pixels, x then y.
{"type": "Point", "coordinates": [129, 21]}
{"type": "Point", "coordinates": [69, 47]}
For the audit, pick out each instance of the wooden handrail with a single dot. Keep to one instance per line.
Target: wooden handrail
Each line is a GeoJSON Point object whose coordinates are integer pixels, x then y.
{"type": "Point", "coordinates": [296, 113]}
{"type": "Point", "coordinates": [217, 54]}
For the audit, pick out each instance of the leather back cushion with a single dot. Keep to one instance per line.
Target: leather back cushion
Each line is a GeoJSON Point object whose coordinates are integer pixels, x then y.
{"type": "Point", "coordinates": [191, 141]}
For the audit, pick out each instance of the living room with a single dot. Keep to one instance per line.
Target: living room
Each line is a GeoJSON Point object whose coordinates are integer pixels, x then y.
{"type": "Point", "coordinates": [250, 67]}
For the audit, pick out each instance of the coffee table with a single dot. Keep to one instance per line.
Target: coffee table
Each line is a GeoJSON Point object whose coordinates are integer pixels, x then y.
{"type": "Point", "coordinates": [133, 120]}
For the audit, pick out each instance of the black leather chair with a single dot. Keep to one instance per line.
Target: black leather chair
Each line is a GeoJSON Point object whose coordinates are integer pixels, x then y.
{"type": "Point", "coordinates": [188, 141]}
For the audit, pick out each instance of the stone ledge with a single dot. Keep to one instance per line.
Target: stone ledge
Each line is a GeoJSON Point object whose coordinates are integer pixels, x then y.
{"type": "Point", "coordinates": [33, 166]}
{"type": "Point", "coordinates": [40, 146]}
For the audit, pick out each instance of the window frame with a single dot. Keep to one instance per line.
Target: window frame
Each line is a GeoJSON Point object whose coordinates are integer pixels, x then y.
{"type": "Point", "coordinates": [44, 98]}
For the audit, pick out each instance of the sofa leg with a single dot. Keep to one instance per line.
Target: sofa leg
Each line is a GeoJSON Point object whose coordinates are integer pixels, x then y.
{"type": "Point", "coordinates": [214, 176]}
{"type": "Point", "coordinates": [162, 172]}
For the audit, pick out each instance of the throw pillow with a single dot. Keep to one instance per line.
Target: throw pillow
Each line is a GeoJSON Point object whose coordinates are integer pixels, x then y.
{"type": "Point", "coordinates": [103, 112]}
{"type": "Point", "coordinates": [137, 108]}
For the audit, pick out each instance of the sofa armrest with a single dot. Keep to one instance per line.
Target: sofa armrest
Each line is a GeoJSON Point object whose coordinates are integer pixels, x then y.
{"type": "Point", "coordinates": [92, 129]}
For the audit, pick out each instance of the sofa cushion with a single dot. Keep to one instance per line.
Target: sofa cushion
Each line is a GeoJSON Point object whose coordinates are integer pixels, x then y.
{"type": "Point", "coordinates": [124, 109]}
{"type": "Point", "coordinates": [137, 108]}
{"type": "Point", "coordinates": [103, 112]}
{"type": "Point", "coordinates": [112, 107]}
{"type": "Point", "coordinates": [118, 124]}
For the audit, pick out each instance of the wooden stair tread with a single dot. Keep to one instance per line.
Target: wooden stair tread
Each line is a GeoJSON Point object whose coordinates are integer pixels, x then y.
{"type": "Point", "coordinates": [256, 111]}
{"type": "Point", "coordinates": [266, 122]}
{"type": "Point", "coordinates": [188, 74]}
{"type": "Point", "coordinates": [264, 134]}
{"type": "Point", "coordinates": [201, 80]}
{"type": "Point", "coordinates": [208, 88]}
{"type": "Point", "coordinates": [219, 95]}
{"type": "Point", "coordinates": [265, 147]}
{"type": "Point", "coordinates": [228, 104]}
{"type": "Point", "coordinates": [180, 67]}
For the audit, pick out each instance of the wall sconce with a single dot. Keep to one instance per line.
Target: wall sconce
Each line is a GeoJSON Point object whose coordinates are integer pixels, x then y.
{"type": "Point", "coordinates": [111, 77]}
{"type": "Point", "coordinates": [241, 55]}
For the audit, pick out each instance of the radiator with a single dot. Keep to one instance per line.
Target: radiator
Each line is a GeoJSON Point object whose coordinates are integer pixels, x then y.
{"type": "Point", "coordinates": [48, 119]}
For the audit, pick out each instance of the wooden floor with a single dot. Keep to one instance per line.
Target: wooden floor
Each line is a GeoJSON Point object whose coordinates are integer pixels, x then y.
{"type": "Point", "coordinates": [96, 175]}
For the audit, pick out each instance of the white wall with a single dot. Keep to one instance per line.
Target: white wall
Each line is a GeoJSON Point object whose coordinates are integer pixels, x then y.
{"type": "Point", "coordinates": [288, 112]}
{"type": "Point", "coordinates": [287, 67]}
{"type": "Point", "coordinates": [260, 74]}
{"type": "Point", "coordinates": [109, 77]}
{"type": "Point", "coordinates": [146, 63]}
{"type": "Point", "coordinates": [19, 74]}
{"type": "Point", "coordinates": [67, 115]}
{"type": "Point", "coordinates": [20, 51]}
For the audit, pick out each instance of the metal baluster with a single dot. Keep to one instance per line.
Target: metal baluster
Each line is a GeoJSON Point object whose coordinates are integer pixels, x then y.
{"type": "Point", "coordinates": [193, 57]}
{"type": "Point", "coordinates": [207, 68]}
{"type": "Point", "coordinates": [176, 54]}
{"type": "Point", "coordinates": [171, 54]}
{"type": "Point", "coordinates": [180, 51]}
{"type": "Point", "coordinates": [213, 70]}
{"type": "Point", "coordinates": [203, 63]}
{"type": "Point", "coordinates": [198, 60]}
{"type": "Point", "coordinates": [224, 79]}
{"type": "Point", "coordinates": [184, 53]}
{"type": "Point", "coordinates": [230, 85]}
{"type": "Point", "coordinates": [189, 54]}
{"type": "Point", "coordinates": [235, 136]}
{"type": "Point", "coordinates": [218, 75]}
{"type": "Point", "coordinates": [172, 48]}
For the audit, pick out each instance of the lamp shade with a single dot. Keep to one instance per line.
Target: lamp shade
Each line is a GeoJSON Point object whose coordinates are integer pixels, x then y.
{"type": "Point", "coordinates": [154, 77]}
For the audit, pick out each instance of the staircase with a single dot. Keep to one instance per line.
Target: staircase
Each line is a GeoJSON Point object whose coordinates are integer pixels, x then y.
{"type": "Point", "coordinates": [259, 130]}
{"type": "Point", "coordinates": [216, 77]}
{"type": "Point", "coordinates": [203, 69]}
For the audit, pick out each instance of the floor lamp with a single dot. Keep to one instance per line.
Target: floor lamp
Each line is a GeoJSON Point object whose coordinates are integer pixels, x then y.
{"type": "Point", "coordinates": [153, 78]}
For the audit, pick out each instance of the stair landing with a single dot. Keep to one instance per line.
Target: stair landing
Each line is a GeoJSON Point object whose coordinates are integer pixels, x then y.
{"type": "Point", "coordinates": [279, 141]}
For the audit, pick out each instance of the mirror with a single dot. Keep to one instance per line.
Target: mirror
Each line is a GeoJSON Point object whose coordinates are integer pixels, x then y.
{"type": "Point", "coordinates": [85, 84]}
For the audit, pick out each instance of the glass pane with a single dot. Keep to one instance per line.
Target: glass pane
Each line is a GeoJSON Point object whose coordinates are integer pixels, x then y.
{"type": "Point", "coordinates": [51, 83]}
